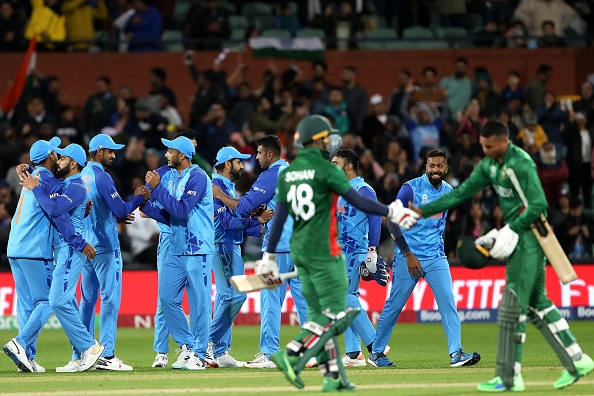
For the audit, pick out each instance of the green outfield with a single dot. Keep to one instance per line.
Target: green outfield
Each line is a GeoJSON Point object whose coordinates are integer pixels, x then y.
{"type": "Point", "coordinates": [419, 351]}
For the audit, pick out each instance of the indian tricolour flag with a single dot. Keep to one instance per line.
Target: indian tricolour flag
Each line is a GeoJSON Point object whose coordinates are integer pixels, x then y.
{"type": "Point", "coordinates": [309, 48]}
{"type": "Point", "coordinates": [12, 96]}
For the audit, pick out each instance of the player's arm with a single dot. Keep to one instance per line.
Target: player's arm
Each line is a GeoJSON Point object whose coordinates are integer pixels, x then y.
{"type": "Point", "coordinates": [63, 224]}
{"type": "Point", "coordinates": [193, 193]}
{"type": "Point", "coordinates": [280, 216]}
{"type": "Point", "coordinates": [261, 192]}
{"type": "Point", "coordinates": [405, 194]}
{"type": "Point", "coordinates": [477, 181]}
{"type": "Point", "coordinates": [70, 198]}
{"type": "Point", "coordinates": [255, 231]}
{"type": "Point", "coordinates": [230, 222]}
{"type": "Point", "coordinates": [156, 212]}
{"type": "Point", "coordinates": [107, 190]}
{"type": "Point", "coordinates": [528, 178]}
{"type": "Point", "coordinates": [375, 221]}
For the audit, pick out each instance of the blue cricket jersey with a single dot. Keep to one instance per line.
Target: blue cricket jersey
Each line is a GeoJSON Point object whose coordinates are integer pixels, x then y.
{"type": "Point", "coordinates": [229, 225]}
{"type": "Point", "coordinates": [72, 202]}
{"type": "Point", "coordinates": [357, 229]}
{"type": "Point", "coordinates": [101, 226]}
{"type": "Point", "coordinates": [167, 174]}
{"type": "Point", "coordinates": [31, 232]}
{"type": "Point", "coordinates": [263, 192]}
{"type": "Point", "coordinates": [425, 239]}
{"type": "Point", "coordinates": [188, 208]}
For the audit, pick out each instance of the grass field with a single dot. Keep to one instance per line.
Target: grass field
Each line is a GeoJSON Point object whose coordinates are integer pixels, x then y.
{"type": "Point", "coordinates": [419, 351]}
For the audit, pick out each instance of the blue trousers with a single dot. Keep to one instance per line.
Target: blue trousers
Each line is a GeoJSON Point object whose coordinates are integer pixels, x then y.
{"type": "Point", "coordinates": [228, 301]}
{"type": "Point", "coordinates": [62, 298]}
{"type": "Point", "coordinates": [32, 279]}
{"type": "Point", "coordinates": [437, 274]}
{"type": "Point", "coordinates": [361, 328]}
{"type": "Point", "coordinates": [161, 336]}
{"type": "Point", "coordinates": [191, 273]}
{"type": "Point", "coordinates": [103, 273]}
{"type": "Point", "coordinates": [271, 302]}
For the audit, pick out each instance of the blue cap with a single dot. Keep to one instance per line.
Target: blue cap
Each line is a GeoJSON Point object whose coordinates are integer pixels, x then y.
{"type": "Point", "coordinates": [103, 141]}
{"type": "Point", "coordinates": [41, 149]}
{"type": "Point", "coordinates": [75, 152]}
{"type": "Point", "coordinates": [229, 153]}
{"type": "Point", "coordinates": [181, 144]}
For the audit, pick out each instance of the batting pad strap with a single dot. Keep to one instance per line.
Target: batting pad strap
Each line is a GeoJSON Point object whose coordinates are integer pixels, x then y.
{"type": "Point", "coordinates": [520, 338]}
{"type": "Point", "coordinates": [558, 326]}
{"type": "Point", "coordinates": [541, 314]}
{"type": "Point", "coordinates": [314, 327]}
{"type": "Point", "coordinates": [523, 318]}
{"type": "Point", "coordinates": [574, 349]}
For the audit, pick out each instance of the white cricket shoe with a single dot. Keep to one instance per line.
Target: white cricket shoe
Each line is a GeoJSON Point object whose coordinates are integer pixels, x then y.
{"type": "Point", "coordinates": [261, 361]}
{"type": "Point", "coordinates": [161, 360]}
{"type": "Point", "coordinates": [184, 354]}
{"type": "Point", "coordinates": [311, 363]}
{"type": "Point", "coordinates": [226, 360]}
{"type": "Point", "coordinates": [37, 368]}
{"type": "Point", "coordinates": [71, 367]}
{"type": "Point", "coordinates": [17, 353]}
{"type": "Point", "coordinates": [194, 363]}
{"type": "Point", "coordinates": [209, 359]}
{"type": "Point", "coordinates": [113, 364]}
{"type": "Point", "coordinates": [89, 357]}
{"type": "Point", "coordinates": [359, 361]}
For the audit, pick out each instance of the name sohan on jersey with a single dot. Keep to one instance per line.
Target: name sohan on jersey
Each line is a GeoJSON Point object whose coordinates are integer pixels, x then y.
{"type": "Point", "coordinates": [298, 175]}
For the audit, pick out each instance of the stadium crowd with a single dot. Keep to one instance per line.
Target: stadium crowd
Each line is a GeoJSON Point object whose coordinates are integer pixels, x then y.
{"type": "Point", "coordinates": [445, 109]}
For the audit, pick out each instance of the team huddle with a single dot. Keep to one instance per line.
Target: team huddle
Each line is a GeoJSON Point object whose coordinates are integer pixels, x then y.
{"type": "Point", "coordinates": [315, 215]}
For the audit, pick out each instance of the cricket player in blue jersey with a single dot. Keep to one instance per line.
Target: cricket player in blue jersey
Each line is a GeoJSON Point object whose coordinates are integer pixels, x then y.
{"type": "Point", "coordinates": [262, 192]}
{"type": "Point", "coordinates": [72, 200]}
{"type": "Point", "coordinates": [359, 235]}
{"type": "Point", "coordinates": [104, 272]}
{"type": "Point", "coordinates": [30, 253]}
{"type": "Point", "coordinates": [229, 232]}
{"type": "Point", "coordinates": [420, 253]}
{"type": "Point", "coordinates": [188, 209]}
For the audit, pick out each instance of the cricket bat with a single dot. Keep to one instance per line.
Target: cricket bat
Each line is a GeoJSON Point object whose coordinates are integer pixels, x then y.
{"type": "Point", "coordinates": [547, 239]}
{"type": "Point", "coordinates": [248, 283]}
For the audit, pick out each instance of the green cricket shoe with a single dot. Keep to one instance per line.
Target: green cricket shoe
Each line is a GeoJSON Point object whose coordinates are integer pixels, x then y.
{"type": "Point", "coordinates": [285, 363]}
{"type": "Point", "coordinates": [584, 367]}
{"type": "Point", "coordinates": [496, 385]}
{"type": "Point", "coordinates": [335, 385]}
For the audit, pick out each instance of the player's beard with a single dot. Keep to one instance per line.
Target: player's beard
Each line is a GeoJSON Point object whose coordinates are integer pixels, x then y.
{"type": "Point", "coordinates": [235, 174]}
{"type": "Point", "coordinates": [61, 172]}
{"type": "Point", "coordinates": [436, 181]}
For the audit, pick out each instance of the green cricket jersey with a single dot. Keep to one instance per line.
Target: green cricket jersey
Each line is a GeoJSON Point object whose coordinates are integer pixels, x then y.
{"type": "Point", "coordinates": [310, 187]}
{"type": "Point", "coordinates": [491, 172]}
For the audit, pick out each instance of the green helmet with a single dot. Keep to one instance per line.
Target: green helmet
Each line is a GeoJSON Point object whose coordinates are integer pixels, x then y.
{"type": "Point", "coordinates": [312, 128]}
{"type": "Point", "coordinates": [471, 255]}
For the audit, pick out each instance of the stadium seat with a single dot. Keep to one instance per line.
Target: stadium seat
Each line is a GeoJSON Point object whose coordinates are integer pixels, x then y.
{"type": "Point", "coordinates": [238, 22]}
{"type": "Point", "coordinates": [237, 34]}
{"type": "Point", "coordinates": [277, 33]}
{"type": "Point", "coordinates": [256, 8]}
{"type": "Point", "coordinates": [311, 33]}
{"type": "Point", "coordinates": [379, 20]}
{"type": "Point", "coordinates": [444, 32]}
{"type": "Point", "coordinates": [176, 44]}
{"type": "Point", "coordinates": [430, 44]}
{"type": "Point", "coordinates": [376, 39]}
{"type": "Point", "coordinates": [229, 6]}
{"type": "Point", "coordinates": [417, 32]}
{"type": "Point", "coordinates": [180, 10]}
{"type": "Point", "coordinates": [576, 43]}
{"type": "Point", "coordinates": [263, 22]}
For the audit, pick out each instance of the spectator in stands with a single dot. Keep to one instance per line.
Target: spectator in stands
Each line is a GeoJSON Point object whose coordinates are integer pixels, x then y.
{"type": "Point", "coordinates": [492, 35]}
{"type": "Point", "coordinates": [458, 87]}
{"type": "Point", "coordinates": [68, 128]}
{"type": "Point", "coordinates": [552, 119]}
{"type": "Point", "coordinates": [144, 239]}
{"type": "Point", "coordinates": [79, 15]}
{"type": "Point", "coordinates": [213, 132]}
{"type": "Point", "coordinates": [496, 10]}
{"type": "Point", "coordinates": [577, 231]}
{"type": "Point", "coordinates": [559, 211]}
{"type": "Point", "coordinates": [120, 117]}
{"type": "Point", "coordinates": [11, 28]}
{"type": "Point", "coordinates": [99, 107]}
{"type": "Point", "coordinates": [46, 22]}
{"type": "Point", "coordinates": [143, 30]}
{"type": "Point", "coordinates": [243, 106]}
{"type": "Point", "coordinates": [534, 13]}
{"type": "Point", "coordinates": [552, 171]}
{"type": "Point", "coordinates": [374, 125]}
{"type": "Point", "coordinates": [516, 37]}
{"type": "Point", "coordinates": [538, 86]}
{"type": "Point", "coordinates": [34, 118]}
{"type": "Point", "coordinates": [170, 113]}
{"type": "Point", "coordinates": [157, 79]}
{"type": "Point", "coordinates": [549, 38]}
{"type": "Point", "coordinates": [533, 136]}
{"type": "Point", "coordinates": [513, 89]}
{"type": "Point", "coordinates": [7, 197]}
{"type": "Point", "coordinates": [505, 117]}
{"type": "Point", "coordinates": [578, 138]}
{"type": "Point", "coordinates": [476, 224]}
{"type": "Point", "coordinates": [452, 13]}
{"type": "Point", "coordinates": [586, 102]}
{"type": "Point", "coordinates": [287, 19]}
{"type": "Point", "coordinates": [401, 96]}
{"type": "Point", "coordinates": [429, 91]}
{"type": "Point", "coordinates": [337, 108]}
{"type": "Point", "coordinates": [356, 98]}
{"type": "Point", "coordinates": [489, 102]}
{"type": "Point", "coordinates": [496, 220]}
{"type": "Point", "coordinates": [318, 86]}
{"type": "Point", "coordinates": [209, 24]}
{"type": "Point", "coordinates": [262, 119]}
{"type": "Point", "coordinates": [146, 125]}
{"type": "Point", "coordinates": [338, 13]}
{"type": "Point", "coordinates": [423, 127]}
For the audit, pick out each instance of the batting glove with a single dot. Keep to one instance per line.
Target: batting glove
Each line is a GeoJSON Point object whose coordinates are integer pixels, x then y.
{"type": "Point", "coordinates": [402, 216]}
{"type": "Point", "coordinates": [382, 275]}
{"type": "Point", "coordinates": [371, 259]}
{"type": "Point", "coordinates": [505, 243]}
{"type": "Point", "coordinates": [488, 238]}
{"type": "Point", "coordinates": [267, 265]}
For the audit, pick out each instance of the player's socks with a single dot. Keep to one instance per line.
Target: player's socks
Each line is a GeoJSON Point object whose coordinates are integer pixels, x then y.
{"type": "Point", "coordinates": [353, 355]}
{"type": "Point", "coordinates": [369, 347]}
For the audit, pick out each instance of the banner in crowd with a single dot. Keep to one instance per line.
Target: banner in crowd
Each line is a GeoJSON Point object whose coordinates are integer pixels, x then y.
{"type": "Point", "coordinates": [477, 295]}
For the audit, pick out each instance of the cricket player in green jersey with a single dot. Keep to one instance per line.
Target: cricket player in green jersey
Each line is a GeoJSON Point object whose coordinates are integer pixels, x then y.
{"type": "Point", "coordinates": [524, 295]}
{"type": "Point", "coordinates": [308, 190]}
